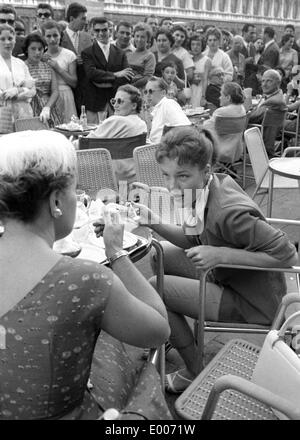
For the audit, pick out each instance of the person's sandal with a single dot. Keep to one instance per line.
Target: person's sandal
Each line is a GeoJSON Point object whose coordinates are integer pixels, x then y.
{"type": "Point", "coordinates": [171, 378]}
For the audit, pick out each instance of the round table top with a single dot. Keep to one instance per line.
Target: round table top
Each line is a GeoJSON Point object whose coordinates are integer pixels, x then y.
{"type": "Point", "coordinates": [286, 166]}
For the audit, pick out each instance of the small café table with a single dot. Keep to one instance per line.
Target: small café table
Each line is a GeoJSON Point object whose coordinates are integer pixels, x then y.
{"type": "Point", "coordinates": [283, 166]}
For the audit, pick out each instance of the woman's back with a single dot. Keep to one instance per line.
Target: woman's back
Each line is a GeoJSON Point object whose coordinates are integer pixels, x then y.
{"type": "Point", "coordinates": [48, 340]}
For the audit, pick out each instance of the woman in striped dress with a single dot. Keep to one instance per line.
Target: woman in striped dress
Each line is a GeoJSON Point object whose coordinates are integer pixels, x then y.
{"type": "Point", "coordinates": [46, 103]}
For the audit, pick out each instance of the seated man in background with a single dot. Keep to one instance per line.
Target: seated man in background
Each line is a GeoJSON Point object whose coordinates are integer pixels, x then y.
{"type": "Point", "coordinates": [272, 99]}
{"type": "Point", "coordinates": [213, 90]}
{"type": "Point", "coordinates": [165, 111]}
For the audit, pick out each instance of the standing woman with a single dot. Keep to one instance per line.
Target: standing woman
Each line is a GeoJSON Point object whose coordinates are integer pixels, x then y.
{"type": "Point", "coordinates": [202, 65]}
{"type": "Point", "coordinates": [288, 57]}
{"type": "Point", "coordinates": [218, 57]}
{"type": "Point", "coordinates": [180, 36]}
{"type": "Point", "coordinates": [45, 103]}
{"type": "Point", "coordinates": [142, 61]}
{"type": "Point", "coordinates": [63, 62]}
{"type": "Point", "coordinates": [164, 42]}
{"type": "Point", "coordinates": [16, 85]}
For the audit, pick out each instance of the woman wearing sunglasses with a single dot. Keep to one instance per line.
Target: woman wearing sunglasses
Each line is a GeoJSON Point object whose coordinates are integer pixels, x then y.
{"type": "Point", "coordinates": [125, 122]}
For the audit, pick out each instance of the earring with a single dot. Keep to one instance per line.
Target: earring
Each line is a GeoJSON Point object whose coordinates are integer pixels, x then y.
{"type": "Point", "coordinates": [57, 213]}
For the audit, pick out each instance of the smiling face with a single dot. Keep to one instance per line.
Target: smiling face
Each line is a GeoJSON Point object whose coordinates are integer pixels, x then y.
{"type": "Point", "coordinates": [123, 36]}
{"type": "Point", "coordinates": [140, 40]}
{"type": "Point", "coordinates": [52, 37]}
{"type": "Point", "coordinates": [122, 104]}
{"type": "Point", "coordinates": [35, 52]}
{"type": "Point", "coordinates": [7, 42]}
{"type": "Point", "coordinates": [183, 177]}
{"type": "Point", "coordinates": [179, 38]}
{"type": "Point", "coordinates": [101, 32]}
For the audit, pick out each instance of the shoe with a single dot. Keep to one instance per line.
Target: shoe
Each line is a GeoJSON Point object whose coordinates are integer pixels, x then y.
{"type": "Point", "coordinates": [170, 380]}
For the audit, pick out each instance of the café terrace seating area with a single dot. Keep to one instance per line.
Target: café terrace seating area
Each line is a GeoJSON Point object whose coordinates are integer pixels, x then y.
{"type": "Point", "coordinates": [244, 135]}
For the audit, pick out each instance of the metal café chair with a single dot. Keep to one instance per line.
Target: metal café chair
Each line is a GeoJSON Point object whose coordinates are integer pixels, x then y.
{"type": "Point", "coordinates": [255, 147]}
{"type": "Point", "coordinates": [201, 325]}
{"type": "Point", "coordinates": [224, 390]}
{"type": "Point", "coordinates": [30, 124]}
{"type": "Point", "coordinates": [95, 171]}
{"type": "Point", "coordinates": [119, 148]}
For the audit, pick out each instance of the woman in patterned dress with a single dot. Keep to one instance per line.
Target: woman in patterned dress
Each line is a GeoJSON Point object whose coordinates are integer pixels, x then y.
{"type": "Point", "coordinates": [45, 104]}
{"type": "Point", "coordinates": [51, 317]}
{"type": "Point", "coordinates": [63, 62]}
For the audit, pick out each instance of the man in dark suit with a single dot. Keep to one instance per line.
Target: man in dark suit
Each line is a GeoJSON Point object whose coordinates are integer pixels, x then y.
{"type": "Point", "coordinates": [248, 48]}
{"type": "Point", "coordinates": [106, 69]}
{"type": "Point", "coordinates": [76, 40]}
{"type": "Point", "coordinates": [272, 99]}
{"type": "Point", "coordinates": [270, 55]}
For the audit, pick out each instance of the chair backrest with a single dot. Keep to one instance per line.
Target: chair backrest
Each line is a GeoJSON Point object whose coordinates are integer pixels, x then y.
{"type": "Point", "coordinates": [257, 153]}
{"type": "Point", "coordinates": [230, 137]}
{"type": "Point", "coordinates": [95, 170]}
{"type": "Point", "coordinates": [147, 168]}
{"type": "Point", "coordinates": [274, 118]}
{"type": "Point", "coordinates": [119, 148]}
{"type": "Point", "coordinates": [30, 124]}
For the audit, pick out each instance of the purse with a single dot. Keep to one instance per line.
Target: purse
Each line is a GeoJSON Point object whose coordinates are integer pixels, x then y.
{"type": "Point", "coordinates": [6, 119]}
{"type": "Point", "coordinates": [278, 366]}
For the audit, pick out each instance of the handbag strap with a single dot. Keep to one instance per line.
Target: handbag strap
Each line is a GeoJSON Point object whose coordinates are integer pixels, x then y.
{"type": "Point", "coordinates": [286, 323]}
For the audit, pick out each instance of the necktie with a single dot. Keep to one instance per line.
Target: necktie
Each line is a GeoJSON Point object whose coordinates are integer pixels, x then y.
{"type": "Point", "coordinates": [76, 41]}
{"type": "Point", "coordinates": [106, 51]}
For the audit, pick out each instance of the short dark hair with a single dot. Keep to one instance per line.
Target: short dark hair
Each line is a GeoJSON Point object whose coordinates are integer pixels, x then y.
{"type": "Point", "coordinates": [123, 23]}
{"type": "Point", "coordinates": [135, 95]}
{"type": "Point", "coordinates": [289, 26]}
{"type": "Point", "coordinates": [74, 9]}
{"type": "Point", "coordinates": [269, 31]}
{"type": "Point", "coordinates": [188, 145]}
{"type": "Point", "coordinates": [160, 82]}
{"type": "Point", "coordinates": [45, 6]}
{"type": "Point", "coordinates": [164, 19]}
{"type": "Point", "coordinates": [246, 27]}
{"type": "Point", "coordinates": [235, 92]}
{"type": "Point", "coordinates": [98, 20]}
{"type": "Point", "coordinates": [166, 64]}
{"type": "Point", "coordinates": [167, 34]}
{"type": "Point", "coordinates": [7, 9]}
{"type": "Point", "coordinates": [180, 28]}
{"type": "Point", "coordinates": [34, 37]}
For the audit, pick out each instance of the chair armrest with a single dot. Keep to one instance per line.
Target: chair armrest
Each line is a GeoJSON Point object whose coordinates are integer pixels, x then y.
{"type": "Point", "coordinates": [290, 149]}
{"type": "Point", "coordinates": [249, 388]}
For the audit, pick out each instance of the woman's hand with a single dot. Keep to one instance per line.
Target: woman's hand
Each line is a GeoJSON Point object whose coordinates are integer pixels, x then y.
{"type": "Point", "coordinates": [204, 257]}
{"type": "Point", "coordinates": [52, 63]}
{"type": "Point", "coordinates": [45, 114]}
{"type": "Point", "coordinates": [10, 93]}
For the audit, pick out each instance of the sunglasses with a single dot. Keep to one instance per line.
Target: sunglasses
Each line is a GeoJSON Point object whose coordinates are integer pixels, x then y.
{"type": "Point", "coordinates": [44, 14]}
{"type": "Point", "coordinates": [8, 21]}
{"type": "Point", "coordinates": [118, 101]}
{"type": "Point", "coordinates": [150, 91]}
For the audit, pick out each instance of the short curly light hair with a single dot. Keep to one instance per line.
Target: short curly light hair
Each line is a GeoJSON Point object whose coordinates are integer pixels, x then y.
{"type": "Point", "coordinates": [32, 165]}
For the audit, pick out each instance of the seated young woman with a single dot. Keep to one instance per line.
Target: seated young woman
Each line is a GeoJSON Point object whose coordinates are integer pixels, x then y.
{"type": "Point", "coordinates": [222, 224]}
{"type": "Point", "coordinates": [53, 307]}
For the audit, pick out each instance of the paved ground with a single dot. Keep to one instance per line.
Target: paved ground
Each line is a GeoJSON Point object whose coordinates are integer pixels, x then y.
{"type": "Point", "coordinates": [285, 205]}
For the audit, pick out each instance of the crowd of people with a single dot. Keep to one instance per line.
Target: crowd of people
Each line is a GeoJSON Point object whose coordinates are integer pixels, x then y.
{"type": "Point", "coordinates": [87, 60]}
{"type": "Point", "coordinates": [52, 317]}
